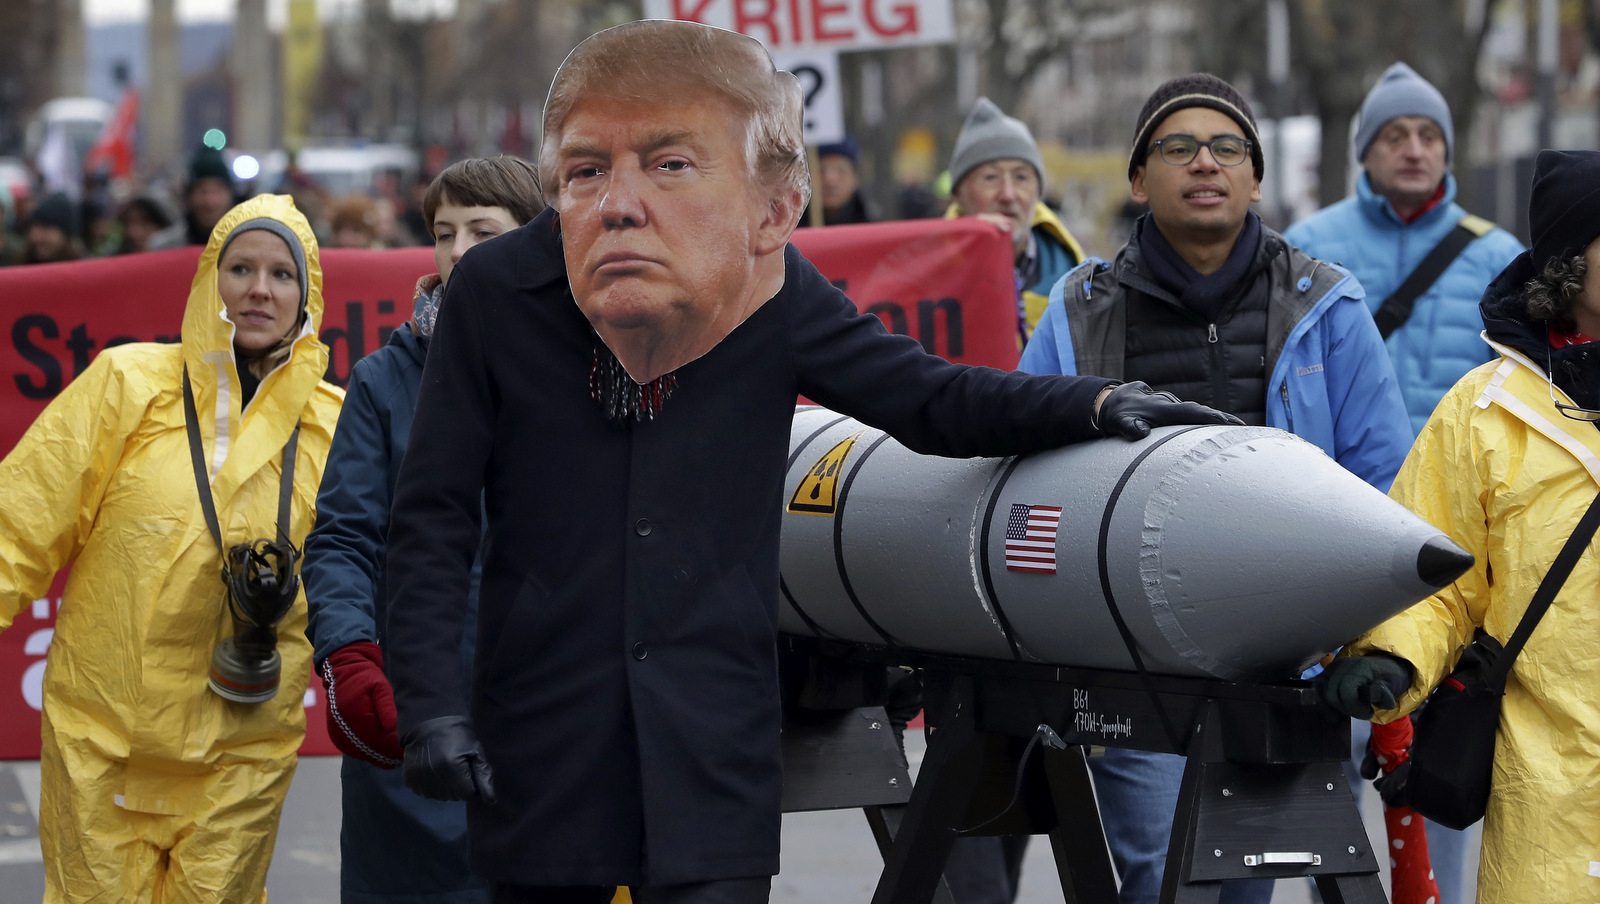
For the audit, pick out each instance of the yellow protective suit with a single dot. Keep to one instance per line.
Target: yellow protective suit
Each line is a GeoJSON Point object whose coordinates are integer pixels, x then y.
{"type": "Point", "coordinates": [155, 788]}
{"type": "Point", "coordinates": [1507, 476]}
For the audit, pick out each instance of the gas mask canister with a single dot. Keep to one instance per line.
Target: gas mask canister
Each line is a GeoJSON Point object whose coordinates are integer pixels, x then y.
{"type": "Point", "coordinates": [262, 586]}
{"type": "Point", "coordinates": [260, 580]}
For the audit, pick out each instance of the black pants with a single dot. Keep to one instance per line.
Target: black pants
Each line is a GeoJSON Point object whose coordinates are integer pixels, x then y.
{"type": "Point", "coordinates": [722, 891]}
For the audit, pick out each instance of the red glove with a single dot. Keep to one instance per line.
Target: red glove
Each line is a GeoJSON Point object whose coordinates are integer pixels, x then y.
{"type": "Point", "coordinates": [361, 716]}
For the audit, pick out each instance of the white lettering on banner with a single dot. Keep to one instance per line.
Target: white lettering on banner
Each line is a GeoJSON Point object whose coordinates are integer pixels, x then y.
{"type": "Point", "coordinates": [41, 608]}
{"type": "Point", "coordinates": [37, 644]}
{"type": "Point", "coordinates": [819, 24]}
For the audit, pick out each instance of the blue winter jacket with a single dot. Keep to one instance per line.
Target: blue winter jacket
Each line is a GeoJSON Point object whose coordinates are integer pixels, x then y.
{"type": "Point", "coordinates": [1439, 343]}
{"type": "Point", "coordinates": [1331, 384]}
{"type": "Point", "coordinates": [394, 845]}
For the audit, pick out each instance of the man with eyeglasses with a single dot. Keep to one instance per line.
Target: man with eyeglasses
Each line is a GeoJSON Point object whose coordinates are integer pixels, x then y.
{"type": "Point", "coordinates": [1422, 259]}
{"type": "Point", "coordinates": [1209, 304]}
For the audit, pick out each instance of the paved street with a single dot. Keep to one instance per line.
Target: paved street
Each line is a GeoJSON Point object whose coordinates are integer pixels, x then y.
{"type": "Point", "coordinates": [828, 857]}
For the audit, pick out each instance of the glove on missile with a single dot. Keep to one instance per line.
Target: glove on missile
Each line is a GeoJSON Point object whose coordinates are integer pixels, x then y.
{"type": "Point", "coordinates": [444, 761]}
{"type": "Point", "coordinates": [361, 715]}
{"type": "Point", "coordinates": [1354, 685]}
{"type": "Point", "coordinates": [1132, 409]}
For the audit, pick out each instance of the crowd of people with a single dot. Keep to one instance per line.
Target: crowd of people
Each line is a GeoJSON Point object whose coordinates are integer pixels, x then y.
{"type": "Point", "coordinates": [565, 691]}
{"type": "Point", "coordinates": [103, 219]}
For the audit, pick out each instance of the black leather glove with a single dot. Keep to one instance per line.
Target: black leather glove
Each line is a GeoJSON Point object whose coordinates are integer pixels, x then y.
{"type": "Point", "coordinates": [1353, 685]}
{"type": "Point", "coordinates": [444, 761]}
{"type": "Point", "coordinates": [1132, 409]}
{"type": "Point", "coordinates": [1392, 787]}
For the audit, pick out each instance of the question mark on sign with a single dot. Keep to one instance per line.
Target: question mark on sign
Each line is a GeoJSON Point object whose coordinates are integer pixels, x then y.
{"type": "Point", "coordinates": [815, 82]}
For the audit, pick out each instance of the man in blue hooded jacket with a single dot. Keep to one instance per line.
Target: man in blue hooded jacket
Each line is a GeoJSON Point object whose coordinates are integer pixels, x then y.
{"type": "Point", "coordinates": [1209, 304]}
{"type": "Point", "coordinates": [1404, 206]}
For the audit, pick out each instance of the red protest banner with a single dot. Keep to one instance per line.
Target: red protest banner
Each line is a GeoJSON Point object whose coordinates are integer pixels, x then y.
{"type": "Point", "coordinates": [946, 283]}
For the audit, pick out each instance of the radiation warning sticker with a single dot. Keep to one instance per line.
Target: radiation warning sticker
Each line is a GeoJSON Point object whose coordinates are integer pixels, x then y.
{"type": "Point", "coordinates": [818, 492]}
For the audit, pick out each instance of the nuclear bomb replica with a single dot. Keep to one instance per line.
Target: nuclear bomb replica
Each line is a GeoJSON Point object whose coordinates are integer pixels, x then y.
{"type": "Point", "coordinates": [1240, 553]}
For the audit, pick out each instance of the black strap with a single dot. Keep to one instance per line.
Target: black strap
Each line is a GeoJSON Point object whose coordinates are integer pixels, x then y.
{"type": "Point", "coordinates": [1396, 309]}
{"type": "Point", "coordinates": [203, 482]}
{"type": "Point", "coordinates": [1167, 725]}
{"type": "Point", "coordinates": [1548, 588]}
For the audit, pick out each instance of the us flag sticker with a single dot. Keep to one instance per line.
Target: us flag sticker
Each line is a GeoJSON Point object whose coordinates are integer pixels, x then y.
{"type": "Point", "coordinates": [1031, 538]}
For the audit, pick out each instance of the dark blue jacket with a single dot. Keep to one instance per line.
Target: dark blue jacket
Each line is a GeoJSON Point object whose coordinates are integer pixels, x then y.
{"type": "Point", "coordinates": [393, 844]}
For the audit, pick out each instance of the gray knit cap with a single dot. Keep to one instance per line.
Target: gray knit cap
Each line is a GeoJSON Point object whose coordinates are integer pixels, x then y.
{"type": "Point", "coordinates": [1400, 91]}
{"type": "Point", "coordinates": [990, 135]}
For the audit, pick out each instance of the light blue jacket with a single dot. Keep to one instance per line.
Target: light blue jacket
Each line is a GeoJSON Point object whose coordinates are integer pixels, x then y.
{"type": "Point", "coordinates": [1331, 382]}
{"type": "Point", "coordinates": [1439, 343]}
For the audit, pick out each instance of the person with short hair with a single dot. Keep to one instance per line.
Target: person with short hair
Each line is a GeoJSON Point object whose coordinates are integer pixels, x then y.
{"type": "Point", "coordinates": [208, 194]}
{"type": "Point", "coordinates": [141, 218]}
{"type": "Point", "coordinates": [1506, 465]}
{"type": "Point", "coordinates": [607, 404]}
{"type": "Point", "coordinates": [394, 845]}
{"type": "Point", "coordinates": [354, 223]}
{"type": "Point", "coordinates": [52, 235]}
{"type": "Point", "coordinates": [838, 171]}
{"type": "Point", "coordinates": [997, 175]}
{"type": "Point", "coordinates": [1209, 304]}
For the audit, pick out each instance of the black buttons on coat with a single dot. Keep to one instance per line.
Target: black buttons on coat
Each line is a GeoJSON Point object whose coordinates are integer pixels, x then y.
{"type": "Point", "coordinates": [642, 527]}
{"type": "Point", "coordinates": [640, 650]}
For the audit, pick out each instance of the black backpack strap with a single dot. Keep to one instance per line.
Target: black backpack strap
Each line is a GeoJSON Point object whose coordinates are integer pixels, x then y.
{"type": "Point", "coordinates": [198, 457]}
{"type": "Point", "coordinates": [1396, 309]}
{"type": "Point", "coordinates": [203, 483]}
{"type": "Point", "coordinates": [1548, 588]}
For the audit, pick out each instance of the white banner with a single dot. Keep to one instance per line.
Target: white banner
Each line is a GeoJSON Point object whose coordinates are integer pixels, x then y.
{"type": "Point", "coordinates": [818, 72]}
{"type": "Point", "coordinates": [788, 25]}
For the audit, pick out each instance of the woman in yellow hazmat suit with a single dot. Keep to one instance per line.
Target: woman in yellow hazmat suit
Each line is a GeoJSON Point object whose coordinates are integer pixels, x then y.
{"type": "Point", "coordinates": [1507, 464]}
{"type": "Point", "coordinates": [155, 787]}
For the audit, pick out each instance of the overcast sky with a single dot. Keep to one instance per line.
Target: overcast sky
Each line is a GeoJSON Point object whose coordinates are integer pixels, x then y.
{"type": "Point", "coordinates": [96, 12]}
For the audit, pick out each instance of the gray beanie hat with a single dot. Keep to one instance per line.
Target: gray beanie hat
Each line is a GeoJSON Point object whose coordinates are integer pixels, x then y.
{"type": "Point", "coordinates": [1400, 91]}
{"type": "Point", "coordinates": [990, 135]}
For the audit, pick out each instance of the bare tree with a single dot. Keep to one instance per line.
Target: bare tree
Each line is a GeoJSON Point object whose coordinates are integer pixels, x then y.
{"type": "Point", "coordinates": [1339, 48]}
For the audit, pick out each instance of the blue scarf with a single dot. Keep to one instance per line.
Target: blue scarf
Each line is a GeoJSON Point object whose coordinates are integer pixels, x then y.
{"type": "Point", "coordinates": [1207, 294]}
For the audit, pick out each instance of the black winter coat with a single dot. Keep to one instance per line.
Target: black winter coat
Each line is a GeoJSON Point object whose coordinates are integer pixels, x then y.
{"type": "Point", "coordinates": [625, 687]}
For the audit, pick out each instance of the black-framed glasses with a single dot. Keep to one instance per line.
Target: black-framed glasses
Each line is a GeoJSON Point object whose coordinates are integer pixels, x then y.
{"type": "Point", "coordinates": [1575, 412]}
{"type": "Point", "coordinates": [1180, 150]}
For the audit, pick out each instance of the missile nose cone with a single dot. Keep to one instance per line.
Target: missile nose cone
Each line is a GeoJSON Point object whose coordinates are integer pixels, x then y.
{"type": "Point", "coordinates": [1441, 561]}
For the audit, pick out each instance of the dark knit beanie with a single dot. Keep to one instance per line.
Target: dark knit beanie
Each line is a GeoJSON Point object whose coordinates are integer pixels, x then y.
{"type": "Point", "coordinates": [1564, 208]}
{"type": "Point", "coordinates": [845, 147]}
{"type": "Point", "coordinates": [207, 163]}
{"type": "Point", "coordinates": [1198, 90]}
{"type": "Point", "coordinates": [56, 210]}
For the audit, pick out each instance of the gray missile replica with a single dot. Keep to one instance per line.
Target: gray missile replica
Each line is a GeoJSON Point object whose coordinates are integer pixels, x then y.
{"type": "Point", "coordinates": [1240, 553]}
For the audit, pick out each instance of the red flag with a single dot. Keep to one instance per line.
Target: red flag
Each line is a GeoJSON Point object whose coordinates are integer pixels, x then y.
{"type": "Point", "coordinates": [113, 150]}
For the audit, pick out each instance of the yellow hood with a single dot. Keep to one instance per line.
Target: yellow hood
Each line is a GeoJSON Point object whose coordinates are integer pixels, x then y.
{"type": "Point", "coordinates": [209, 356]}
{"type": "Point", "coordinates": [1044, 217]}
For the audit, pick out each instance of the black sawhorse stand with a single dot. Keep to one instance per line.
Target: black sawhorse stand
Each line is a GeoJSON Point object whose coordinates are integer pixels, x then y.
{"type": "Point", "coordinates": [1263, 795]}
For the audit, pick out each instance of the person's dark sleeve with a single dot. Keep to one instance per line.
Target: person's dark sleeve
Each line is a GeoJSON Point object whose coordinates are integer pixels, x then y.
{"type": "Point", "coordinates": [434, 529]}
{"type": "Point", "coordinates": [345, 551]}
{"type": "Point", "coordinates": [849, 362]}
